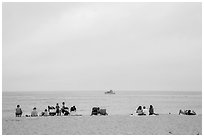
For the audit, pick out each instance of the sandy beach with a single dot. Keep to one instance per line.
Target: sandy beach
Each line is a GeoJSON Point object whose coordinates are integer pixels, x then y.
{"type": "Point", "coordinates": [118, 122]}
{"type": "Point", "coordinates": [57, 56]}
{"type": "Point", "coordinates": [164, 124]}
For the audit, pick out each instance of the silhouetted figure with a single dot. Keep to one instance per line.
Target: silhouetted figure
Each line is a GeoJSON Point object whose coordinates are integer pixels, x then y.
{"type": "Point", "coordinates": [95, 111]}
{"type": "Point", "coordinates": [139, 111]}
{"type": "Point", "coordinates": [51, 110]}
{"type": "Point", "coordinates": [187, 112]}
{"type": "Point", "coordinates": [58, 110]}
{"type": "Point", "coordinates": [18, 111]}
{"type": "Point", "coordinates": [73, 109]}
{"type": "Point", "coordinates": [151, 111]}
{"type": "Point", "coordinates": [64, 109]}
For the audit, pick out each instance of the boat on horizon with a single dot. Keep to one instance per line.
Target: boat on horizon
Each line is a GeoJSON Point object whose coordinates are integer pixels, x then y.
{"type": "Point", "coordinates": [110, 92]}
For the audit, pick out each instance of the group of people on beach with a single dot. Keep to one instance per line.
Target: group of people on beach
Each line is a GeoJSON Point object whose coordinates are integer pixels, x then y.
{"type": "Point", "coordinates": [63, 111]}
{"type": "Point", "coordinates": [50, 111]}
{"type": "Point", "coordinates": [187, 112]}
{"type": "Point", "coordinates": [144, 111]}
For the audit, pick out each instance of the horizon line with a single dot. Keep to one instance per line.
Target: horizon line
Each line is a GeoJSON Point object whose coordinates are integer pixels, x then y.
{"type": "Point", "coordinates": [100, 90]}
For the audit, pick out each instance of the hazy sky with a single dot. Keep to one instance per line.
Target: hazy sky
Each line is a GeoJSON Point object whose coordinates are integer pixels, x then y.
{"type": "Point", "coordinates": [102, 46]}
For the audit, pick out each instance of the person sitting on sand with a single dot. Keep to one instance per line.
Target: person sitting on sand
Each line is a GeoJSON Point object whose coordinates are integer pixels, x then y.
{"type": "Point", "coordinates": [58, 110]}
{"type": "Point", "coordinates": [151, 111]}
{"type": "Point", "coordinates": [18, 111]}
{"type": "Point", "coordinates": [140, 111]}
{"type": "Point", "coordinates": [145, 111]}
{"type": "Point", "coordinates": [73, 109]}
{"type": "Point", "coordinates": [51, 110]}
{"type": "Point", "coordinates": [95, 111]}
{"type": "Point", "coordinates": [34, 113]}
{"type": "Point", "coordinates": [45, 113]}
{"type": "Point", "coordinates": [183, 112]}
{"type": "Point", "coordinates": [103, 112]}
{"type": "Point", "coordinates": [187, 112]}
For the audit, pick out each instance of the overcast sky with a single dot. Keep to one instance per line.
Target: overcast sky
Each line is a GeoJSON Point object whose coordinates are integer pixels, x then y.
{"type": "Point", "coordinates": [102, 46]}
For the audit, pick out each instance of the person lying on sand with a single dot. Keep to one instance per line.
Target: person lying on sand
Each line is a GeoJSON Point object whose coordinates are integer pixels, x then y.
{"type": "Point", "coordinates": [187, 112]}
{"type": "Point", "coordinates": [18, 111]}
{"type": "Point", "coordinates": [34, 113]}
{"type": "Point", "coordinates": [151, 111]}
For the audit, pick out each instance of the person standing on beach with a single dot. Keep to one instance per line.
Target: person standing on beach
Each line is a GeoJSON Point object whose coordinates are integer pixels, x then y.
{"type": "Point", "coordinates": [63, 107]}
{"type": "Point", "coordinates": [18, 111]}
{"type": "Point", "coordinates": [57, 109]}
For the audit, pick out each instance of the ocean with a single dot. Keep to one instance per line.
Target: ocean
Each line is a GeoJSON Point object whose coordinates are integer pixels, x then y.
{"type": "Point", "coordinates": [121, 103]}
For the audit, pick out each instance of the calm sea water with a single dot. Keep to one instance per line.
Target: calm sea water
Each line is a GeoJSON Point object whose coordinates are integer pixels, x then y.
{"type": "Point", "coordinates": [121, 103]}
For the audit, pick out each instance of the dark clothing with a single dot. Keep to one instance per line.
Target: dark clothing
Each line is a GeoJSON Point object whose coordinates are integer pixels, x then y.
{"type": "Point", "coordinates": [191, 113]}
{"type": "Point", "coordinates": [151, 111]}
{"type": "Point", "coordinates": [52, 113]}
{"type": "Point", "coordinates": [18, 112]}
{"type": "Point", "coordinates": [66, 113]}
{"type": "Point", "coordinates": [95, 111]}
{"type": "Point", "coordinates": [57, 107]}
{"type": "Point", "coordinates": [65, 110]}
{"type": "Point", "coordinates": [73, 108]}
{"type": "Point", "coordinates": [57, 111]}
